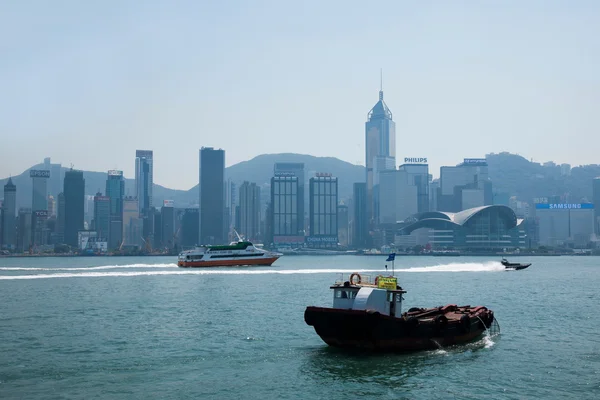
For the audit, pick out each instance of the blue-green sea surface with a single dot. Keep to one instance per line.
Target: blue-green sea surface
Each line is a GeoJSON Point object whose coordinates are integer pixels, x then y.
{"type": "Point", "coordinates": [141, 328]}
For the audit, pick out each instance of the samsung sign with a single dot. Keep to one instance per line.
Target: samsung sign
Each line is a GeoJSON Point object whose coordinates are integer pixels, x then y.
{"type": "Point", "coordinates": [415, 160]}
{"type": "Point", "coordinates": [39, 173]}
{"type": "Point", "coordinates": [566, 206]}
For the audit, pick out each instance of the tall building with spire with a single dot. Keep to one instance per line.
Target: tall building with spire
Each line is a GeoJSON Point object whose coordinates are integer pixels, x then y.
{"type": "Point", "coordinates": [380, 141]}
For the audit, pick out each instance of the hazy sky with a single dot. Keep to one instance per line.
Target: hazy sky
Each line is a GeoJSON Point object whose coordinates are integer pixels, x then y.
{"type": "Point", "coordinates": [89, 82]}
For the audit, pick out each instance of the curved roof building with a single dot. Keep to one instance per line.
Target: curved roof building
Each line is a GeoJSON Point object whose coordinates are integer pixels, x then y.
{"type": "Point", "coordinates": [486, 227]}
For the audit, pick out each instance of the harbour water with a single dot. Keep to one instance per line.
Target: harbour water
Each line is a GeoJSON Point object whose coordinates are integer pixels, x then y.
{"type": "Point", "coordinates": [141, 328]}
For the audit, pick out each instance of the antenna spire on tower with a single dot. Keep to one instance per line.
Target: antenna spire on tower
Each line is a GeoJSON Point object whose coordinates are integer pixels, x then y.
{"type": "Point", "coordinates": [381, 84]}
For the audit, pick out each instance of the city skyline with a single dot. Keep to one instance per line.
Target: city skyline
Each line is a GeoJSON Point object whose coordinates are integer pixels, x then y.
{"type": "Point", "coordinates": [515, 77]}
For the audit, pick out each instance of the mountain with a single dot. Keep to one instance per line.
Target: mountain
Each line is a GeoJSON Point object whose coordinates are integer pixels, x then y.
{"type": "Point", "coordinates": [517, 176]}
{"type": "Point", "coordinates": [258, 170]}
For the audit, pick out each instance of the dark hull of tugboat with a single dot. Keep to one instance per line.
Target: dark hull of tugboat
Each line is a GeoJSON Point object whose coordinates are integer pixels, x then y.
{"type": "Point", "coordinates": [266, 262]}
{"type": "Point", "coordinates": [373, 331]}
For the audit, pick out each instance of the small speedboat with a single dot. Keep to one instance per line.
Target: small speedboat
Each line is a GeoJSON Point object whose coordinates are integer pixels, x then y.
{"type": "Point", "coordinates": [513, 266]}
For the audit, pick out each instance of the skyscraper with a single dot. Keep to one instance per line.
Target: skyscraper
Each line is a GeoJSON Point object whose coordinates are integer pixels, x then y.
{"type": "Point", "coordinates": [249, 210]}
{"type": "Point", "coordinates": [360, 228]}
{"type": "Point", "coordinates": [167, 214]}
{"type": "Point", "coordinates": [464, 186]}
{"type": "Point", "coordinates": [40, 189]}
{"type": "Point", "coordinates": [323, 199]}
{"type": "Point", "coordinates": [343, 228]}
{"type": "Point", "coordinates": [60, 218]}
{"type": "Point", "coordinates": [132, 224]}
{"type": "Point", "coordinates": [596, 200]}
{"type": "Point", "coordinates": [144, 179]}
{"type": "Point", "coordinates": [115, 190]}
{"type": "Point", "coordinates": [297, 170]}
{"type": "Point", "coordinates": [380, 141]}
{"type": "Point", "coordinates": [190, 227]}
{"type": "Point", "coordinates": [212, 196]}
{"type": "Point", "coordinates": [285, 225]}
{"type": "Point", "coordinates": [9, 208]}
{"type": "Point", "coordinates": [102, 216]}
{"type": "Point", "coordinates": [74, 191]}
{"type": "Point", "coordinates": [24, 235]}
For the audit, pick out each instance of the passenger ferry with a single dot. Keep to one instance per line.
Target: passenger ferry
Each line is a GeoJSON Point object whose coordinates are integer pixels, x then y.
{"type": "Point", "coordinates": [238, 253]}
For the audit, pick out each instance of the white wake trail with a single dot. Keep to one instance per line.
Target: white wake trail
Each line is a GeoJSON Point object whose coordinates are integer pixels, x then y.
{"type": "Point", "coordinates": [185, 272]}
{"type": "Point", "coordinates": [103, 267]}
{"type": "Point", "coordinates": [490, 266]}
{"type": "Point", "coordinates": [172, 269]}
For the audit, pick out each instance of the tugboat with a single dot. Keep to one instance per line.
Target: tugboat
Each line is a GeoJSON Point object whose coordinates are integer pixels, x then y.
{"type": "Point", "coordinates": [367, 315]}
{"type": "Point", "coordinates": [513, 266]}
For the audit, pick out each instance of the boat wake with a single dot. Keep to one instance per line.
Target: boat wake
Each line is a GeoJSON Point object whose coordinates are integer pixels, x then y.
{"type": "Point", "coordinates": [103, 267]}
{"type": "Point", "coordinates": [172, 269]}
{"type": "Point", "coordinates": [491, 266]}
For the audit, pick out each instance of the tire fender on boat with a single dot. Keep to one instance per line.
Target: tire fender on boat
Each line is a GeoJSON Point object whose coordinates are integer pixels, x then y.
{"type": "Point", "coordinates": [411, 323]}
{"type": "Point", "coordinates": [440, 323]}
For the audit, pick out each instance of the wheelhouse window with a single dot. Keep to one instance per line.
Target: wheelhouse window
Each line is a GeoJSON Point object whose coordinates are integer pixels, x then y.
{"type": "Point", "coordinates": [345, 293]}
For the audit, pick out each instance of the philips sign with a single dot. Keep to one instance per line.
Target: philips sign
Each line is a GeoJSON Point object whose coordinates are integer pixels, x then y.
{"type": "Point", "coordinates": [415, 160]}
{"type": "Point", "coordinates": [39, 173]}
{"type": "Point", "coordinates": [584, 206]}
{"type": "Point", "coordinates": [114, 172]}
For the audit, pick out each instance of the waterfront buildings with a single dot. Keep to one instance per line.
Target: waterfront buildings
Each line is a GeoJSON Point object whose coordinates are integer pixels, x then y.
{"type": "Point", "coordinates": [102, 216]}
{"type": "Point", "coordinates": [115, 190]}
{"type": "Point", "coordinates": [60, 218]}
{"type": "Point", "coordinates": [24, 234]}
{"type": "Point", "coordinates": [360, 227]}
{"type": "Point", "coordinates": [211, 196]}
{"type": "Point", "coordinates": [51, 206]}
{"type": "Point", "coordinates": [404, 192]}
{"type": "Point", "coordinates": [464, 186]}
{"type": "Point", "coordinates": [144, 179]}
{"type": "Point", "coordinates": [343, 225]}
{"type": "Point", "coordinates": [565, 223]}
{"type": "Point", "coordinates": [190, 227]}
{"type": "Point", "coordinates": [297, 170]}
{"type": "Point", "coordinates": [486, 228]}
{"type": "Point", "coordinates": [249, 211]}
{"type": "Point", "coordinates": [40, 189]}
{"type": "Point", "coordinates": [8, 220]}
{"type": "Point", "coordinates": [167, 217]}
{"type": "Point", "coordinates": [380, 141]}
{"type": "Point", "coordinates": [74, 192]}
{"type": "Point", "coordinates": [323, 213]}
{"type": "Point", "coordinates": [596, 201]}
{"type": "Point", "coordinates": [286, 225]}
{"type": "Point", "coordinates": [231, 207]}
{"type": "Point", "coordinates": [132, 223]}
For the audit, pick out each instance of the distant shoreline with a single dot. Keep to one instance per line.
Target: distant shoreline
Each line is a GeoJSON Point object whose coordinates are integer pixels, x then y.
{"type": "Point", "coordinates": [312, 255]}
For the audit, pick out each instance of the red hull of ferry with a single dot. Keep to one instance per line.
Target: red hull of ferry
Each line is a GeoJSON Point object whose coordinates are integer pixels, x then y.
{"type": "Point", "coordinates": [227, 263]}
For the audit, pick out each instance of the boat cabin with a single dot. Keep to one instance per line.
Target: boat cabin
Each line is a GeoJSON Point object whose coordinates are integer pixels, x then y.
{"type": "Point", "coordinates": [382, 295]}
